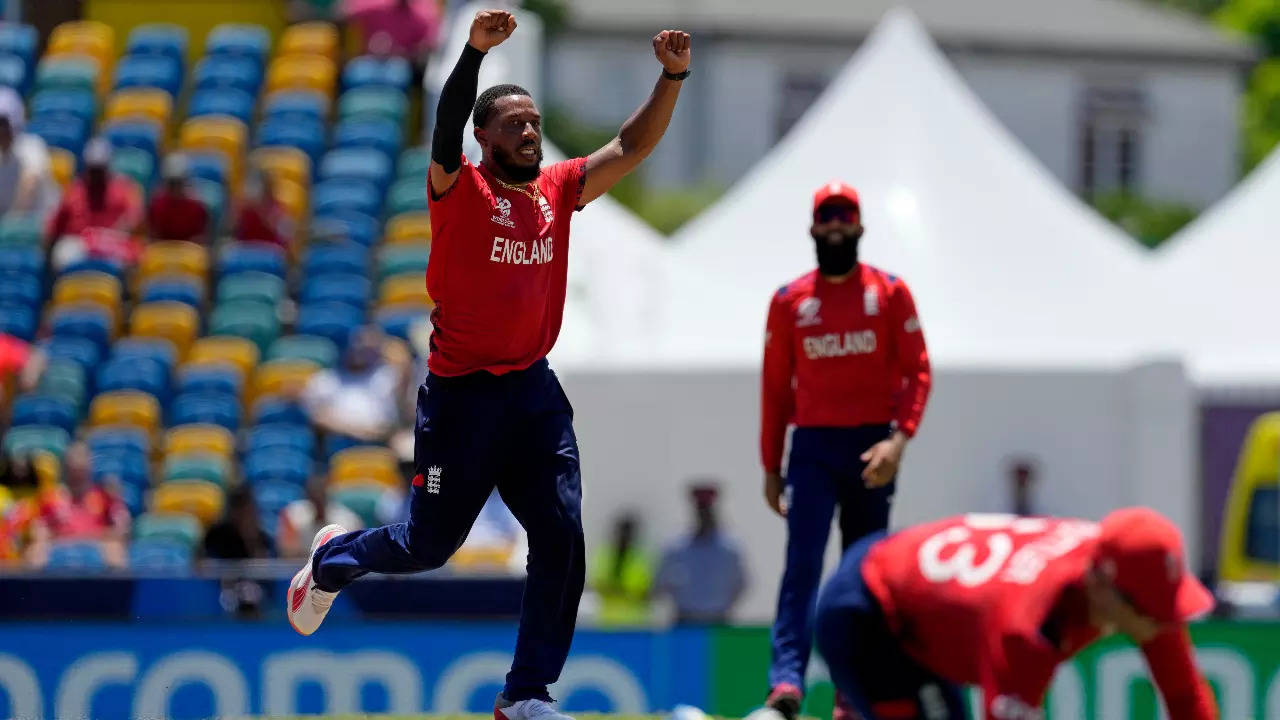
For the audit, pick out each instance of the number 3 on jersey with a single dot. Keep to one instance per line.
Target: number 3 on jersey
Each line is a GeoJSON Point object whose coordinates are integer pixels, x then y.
{"type": "Point", "coordinates": [953, 554]}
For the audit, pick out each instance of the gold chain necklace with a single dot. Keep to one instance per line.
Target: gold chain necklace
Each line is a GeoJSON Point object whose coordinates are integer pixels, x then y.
{"type": "Point", "coordinates": [522, 189]}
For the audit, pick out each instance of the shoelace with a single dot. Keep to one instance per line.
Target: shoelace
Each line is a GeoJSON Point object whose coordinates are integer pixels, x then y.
{"type": "Point", "coordinates": [320, 599]}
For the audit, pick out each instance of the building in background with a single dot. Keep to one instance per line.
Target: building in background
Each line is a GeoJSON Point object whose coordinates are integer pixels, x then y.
{"type": "Point", "coordinates": [1108, 94]}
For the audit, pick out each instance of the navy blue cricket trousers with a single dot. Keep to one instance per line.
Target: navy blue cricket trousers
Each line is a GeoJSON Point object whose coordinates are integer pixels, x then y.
{"type": "Point", "coordinates": [475, 432]}
{"type": "Point", "coordinates": [866, 660]}
{"type": "Point", "coordinates": [824, 470]}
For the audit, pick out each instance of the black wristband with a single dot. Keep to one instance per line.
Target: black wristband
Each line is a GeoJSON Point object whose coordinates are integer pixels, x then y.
{"type": "Point", "coordinates": [677, 76]}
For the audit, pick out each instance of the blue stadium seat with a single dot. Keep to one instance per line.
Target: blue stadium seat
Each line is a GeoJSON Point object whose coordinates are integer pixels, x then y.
{"type": "Point", "coordinates": [178, 288]}
{"type": "Point", "coordinates": [396, 321]}
{"type": "Point", "coordinates": [20, 40]}
{"type": "Point", "coordinates": [340, 225]}
{"type": "Point", "coordinates": [208, 166]}
{"type": "Point", "coordinates": [225, 71]}
{"type": "Point", "coordinates": [278, 465]}
{"type": "Point", "coordinates": [373, 71]}
{"type": "Point", "coordinates": [86, 321]}
{"type": "Point", "coordinates": [134, 373]}
{"type": "Point", "coordinates": [158, 349]}
{"type": "Point", "coordinates": [18, 321]}
{"type": "Point", "coordinates": [159, 39]}
{"type": "Point", "coordinates": [302, 105]}
{"type": "Point", "coordinates": [13, 73]}
{"type": "Point", "coordinates": [357, 164]}
{"type": "Point", "coordinates": [359, 195]}
{"type": "Point", "coordinates": [335, 443]}
{"type": "Point", "coordinates": [25, 260]}
{"type": "Point", "coordinates": [250, 41]}
{"type": "Point", "coordinates": [230, 101]}
{"type": "Point", "coordinates": [134, 134]}
{"type": "Point", "coordinates": [76, 555]}
{"type": "Point", "coordinates": [336, 257]}
{"type": "Point", "coordinates": [37, 409]}
{"type": "Point", "coordinates": [20, 289]}
{"type": "Point", "coordinates": [111, 267]}
{"type": "Point", "coordinates": [84, 352]}
{"type": "Point", "coordinates": [118, 440]}
{"type": "Point", "coordinates": [307, 137]}
{"type": "Point", "coordinates": [214, 197]}
{"type": "Point", "coordinates": [58, 131]}
{"type": "Point", "coordinates": [159, 556]}
{"type": "Point", "coordinates": [82, 104]}
{"type": "Point", "coordinates": [332, 320]}
{"type": "Point", "coordinates": [272, 409]}
{"type": "Point", "coordinates": [153, 71]}
{"type": "Point", "coordinates": [211, 378]}
{"type": "Point", "coordinates": [271, 436]}
{"type": "Point", "coordinates": [216, 409]}
{"type": "Point", "coordinates": [382, 134]}
{"type": "Point", "coordinates": [353, 290]}
{"type": "Point", "coordinates": [251, 257]}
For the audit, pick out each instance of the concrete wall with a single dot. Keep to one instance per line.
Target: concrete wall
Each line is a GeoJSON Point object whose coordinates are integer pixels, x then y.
{"type": "Point", "coordinates": [1100, 440]}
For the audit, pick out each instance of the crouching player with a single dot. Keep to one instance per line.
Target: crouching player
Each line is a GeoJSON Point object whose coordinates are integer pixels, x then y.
{"type": "Point", "coordinates": [998, 601]}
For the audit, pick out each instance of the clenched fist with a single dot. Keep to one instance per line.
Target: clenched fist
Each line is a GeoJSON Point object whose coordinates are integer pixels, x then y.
{"type": "Point", "coordinates": [490, 28]}
{"type": "Point", "coordinates": [672, 49]}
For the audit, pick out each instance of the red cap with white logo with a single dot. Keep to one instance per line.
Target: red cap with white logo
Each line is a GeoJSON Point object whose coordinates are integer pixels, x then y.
{"type": "Point", "coordinates": [837, 191]}
{"type": "Point", "coordinates": [1145, 551]}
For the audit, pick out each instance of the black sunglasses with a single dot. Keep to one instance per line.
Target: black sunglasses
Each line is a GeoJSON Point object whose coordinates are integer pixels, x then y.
{"type": "Point", "coordinates": [835, 212]}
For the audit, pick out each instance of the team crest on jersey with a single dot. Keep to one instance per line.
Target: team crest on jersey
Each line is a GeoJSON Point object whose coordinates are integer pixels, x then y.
{"type": "Point", "coordinates": [433, 479]}
{"type": "Point", "coordinates": [545, 207]}
{"type": "Point", "coordinates": [807, 312]}
{"type": "Point", "coordinates": [871, 301]}
{"type": "Point", "coordinates": [504, 213]}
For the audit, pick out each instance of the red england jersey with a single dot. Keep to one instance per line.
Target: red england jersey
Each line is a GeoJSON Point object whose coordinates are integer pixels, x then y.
{"type": "Point", "coordinates": [970, 598]}
{"type": "Point", "coordinates": [841, 355]}
{"type": "Point", "coordinates": [498, 269]}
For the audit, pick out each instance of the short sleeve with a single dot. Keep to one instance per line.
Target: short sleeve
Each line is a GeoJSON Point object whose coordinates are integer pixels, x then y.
{"type": "Point", "coordinates": [467, 185]}
{"type": "Point", "coordinates": [568, 178]}
{"type": "Point", "coordinates": [319, 391]}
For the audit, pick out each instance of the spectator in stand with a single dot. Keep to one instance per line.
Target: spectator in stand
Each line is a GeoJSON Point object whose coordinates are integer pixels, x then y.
{"type": "Point", "coordinates": [239, 535]}
{"type": "Point", "coordinates": [26, 180]}
{"type": "Point", "coordinates": [621, 575]}
{"type": "Point", "coordinates": [360, 399]}
{"type": "Point", "coordinates": [261, 217]}
{"type": "Point", "coordinates": [702, 572]}
{"type": "Point", "coordinates": [301, 519]}
{"type": "Point", "coordinates": [98, 199]}
{"type": "Point", "coordinates": [175, 212]}
{"type": "Point", "coordinates": [79, 510]}
{"type": "Point", "coordinates": [401, 28]}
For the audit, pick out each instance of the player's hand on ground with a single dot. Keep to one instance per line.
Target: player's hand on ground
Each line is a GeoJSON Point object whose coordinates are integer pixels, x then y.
{"type": "Point", "coordinates": [773, 495]}
{"type": "Point", "coordinates": [672, 49]}
{"type": "Point", "coordinates": [490, 28]}
{"type": "Point", "coordinates": [882, 461]}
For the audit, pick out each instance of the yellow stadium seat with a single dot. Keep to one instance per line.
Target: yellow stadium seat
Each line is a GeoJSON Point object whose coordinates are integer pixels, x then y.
{"type": "Point", "coordinates": [200, 437]}
{"type": "Point", "coordinates": [293, 197]}
{"type": "Point", "coordinates": [173, 257]}
{"type": "Point", "coordinates": [230, 349]}
{"type": "Point", "coordinates": [220, 134]}
{"type": "Point", "coordinates": [62, 164]}
{"type": "Point", "coordinates": [410, 227]}
{"type": "Point", "coordinates": [199, 498]}
{"type": "Point", "coordinates": [281, 377]}
{"type": "Point", "coordinates": [310, 38]}
{"type": "Point", "coordinates": [404, 289]}
{"type": "Point", "coordinates": [88, 286]}
{"type": "Point", "coordinates": [174, 321]}
{"type": "Point", "coordinates": [92, 39]}
{"type": "Point", "coordinates": [302, 72]}
{"type": "Point", "coordinates": [125, 407]}
{"type": "Point", "coordinates": [363, 464]}
{"type": "Point", "coordinates": [283, 163]}
{"type": "Point", "coordinates": [148, 104]}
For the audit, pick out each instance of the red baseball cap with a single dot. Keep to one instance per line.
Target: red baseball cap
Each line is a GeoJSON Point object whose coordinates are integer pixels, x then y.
{"type": "Point", "coordinates": [1145, 551]}
{"type": "Point", "coordinates": [838, 191]}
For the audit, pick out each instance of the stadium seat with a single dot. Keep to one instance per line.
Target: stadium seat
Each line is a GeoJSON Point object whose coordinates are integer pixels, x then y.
{"type": "Point", "coordinates": [174, 256]}
{"type": "Point", "coordinates": [294, 198]}
{"type": "Point", "coordinates": [238, 258]}
{"type": "Point", "coordinates": [118, 440]}
{"type": "Point", "coordinates": [374, 103]}
{"type": "Point", "coordinates": [136, 164]}
{"type": "Point", "coordinates": [357, 164]}
{"type": "Point", "coordinates": [310, 38]}
{"type": "Point", "coordinates": [23, 441]}
{"type": "Point", "coordinates": [62, 132]}
{"type": "Point", "coordinates": [67, 72]}
{"type": "Point", "coordinates": [141, 134]}
{"type": "Point", "coordinates": [129, 473]}
{"type": "Point", "coordinates": [65, 379]}
{"type": "Point", "coordinates": [336, 257]}
{"type": "Point", "coordinates": [362, 499]}
{"type": "Point", "coordinates": [306, 106]}
{"type": "Point", "coordinates": [335, 443]}
{"type": "Point", "coordinates": [273, 495]}
{"type": "Point", "coordinates": [177, 322]}
{"type": "Point", "coordinates": [251, 320]}
{"type": "Point", "coordinates": [14, 74]}
{"type": "Point", "coordinates": [404, 289]}
{"type": "Point", "coordinates": [173, 287]}
{"type": "Point", "coordinates": [403, 259]}
{"type": "Point", "coordinates": [40, 409]}
{"type": "Point", "coordinates": [365, 464]}
{"type": "Point", "coordinates": [91, 322]}
{"type": "Point", "coordinates": [20, 289]}
{"type": "Point", "coordinates": [21, 41]}
{"type": "Point", "coordinates": [82, 351]}
{"type": "Point", "coordinates": [342, 225]}
{"type": "Point", "coordinates": [159, 349]}
{"type": "Point", "coordinates": [331, 320]}
{"type": "Point", "coordinates": [199, 438]}
{"type": "Point", "coordinates": [251, 285]}
{"type": "Point", "coordinates": [307, 137]}
{"type": "Point", "coordinates": [302, 72]}
{"type": "Point", "coordinates": [407, 195]}
{"type": "Point", "coordinates": [213, 196]}
{"type": "Point", "coordinates": [279, 465]}
{"type": "Point", "coordinates": [25, 260]}
{"type": "Point", "coordinates": [109, 266]}
{"type": "Point", "coordinates": [231, 101]}
{"type": "Point", "coordinates": [397, 320]}
{"type": "Point", "coordinates": [381, 134]}
{"type": "Point", "coordinates": [62, 165]}
{"type": "Point", "coordinates": [200, 499]}
{"type": "Point", "coordinates": [149, 71]}
{"type": "Point", "coordinates": [126, 407]}
{"type": "Point", "coordinates": [75, 555]}
{"type": "Point", "coordinates": [312, 348]}
{"type": "Point", "coordinates": [220, 134]}
{"type": "Point", "coordinates": [374, 71]}
{"type": "Point", "coordinates": [277, 377]}
{"type": "Point", "coordinates": [281, 162]}
{"type": "Point", "coordinates": [178, 528]}
{"type": "Point", "coordinates": [158, 39]}
{"type": "Point", "coordinates": [213, 467]}
{"type": "Point", "coordinates": [141, 374]}
{"type": "Point", "coordinates": [215, 408]}
{"type": "Point", "coordinates": [217, 72]}
{"type": "Point", "coordinates": [345, 194]}
{"type": "Point", "coordinates": [237, 351]}
{"type": "Point", "coordinates": [96, 39]}
{"type": "Point", "coordinates": [215, 378]}
{"type": "Point", "coordinates": [278, 409]}
{"type": "Point", "coordinates": [415, 162]}
{"type": "Point", "coordinates": [159, 556]}
{"type": "Point", "coordinates": [273, 436]}
{"type": "Point", "coordinates": [79, 103]}
{"type": "Point", "coordinates": [208, 166]}
{"type": "Point", "coordinates": [353, 290]}
{"type": "Point", "coordinates": [148, 104]}
{"type": "Point", "coordinates": [88, 286]}
{"type": "Point", "coordinates": [251, 41]}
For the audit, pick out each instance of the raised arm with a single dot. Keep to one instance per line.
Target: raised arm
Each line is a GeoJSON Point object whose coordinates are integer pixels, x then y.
{"type": "Point", "coordinates": [488, 30]}
{"type": "Point", "coordinates": [646, 126]}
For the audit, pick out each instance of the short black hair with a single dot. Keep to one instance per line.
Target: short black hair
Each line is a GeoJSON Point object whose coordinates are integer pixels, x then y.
{"type": "Point", "coordinates": [484, 103]}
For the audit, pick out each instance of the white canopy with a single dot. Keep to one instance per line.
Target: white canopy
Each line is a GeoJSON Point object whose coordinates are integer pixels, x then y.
{"type": "Point", "coordinates": [1007, 267]}
{"type": "Point", "coordinates": [1217, 286]}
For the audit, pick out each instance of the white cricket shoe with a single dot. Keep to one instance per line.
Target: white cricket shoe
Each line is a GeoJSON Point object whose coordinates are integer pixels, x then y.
{"type": "Point", "coordinates": [308, 604]}
{"type": "Point", "coordinates": [504, 709]}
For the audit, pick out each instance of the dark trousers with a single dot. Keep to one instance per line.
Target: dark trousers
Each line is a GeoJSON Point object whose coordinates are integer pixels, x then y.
{"type": "Point", "coordinates": [824, 470]}
{"type": "Point", "coordinates": [476, 432]}
{"type": "Point", "coordinates": [866, 660]}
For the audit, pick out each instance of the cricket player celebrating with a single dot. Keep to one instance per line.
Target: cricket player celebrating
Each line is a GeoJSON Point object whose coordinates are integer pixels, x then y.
{"type": "Point", "coordinates": [491, 411]}
{"type": "Point", "coordinates": [845, 361]}
{"type": "Point", "coordinates": [998, 601]}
